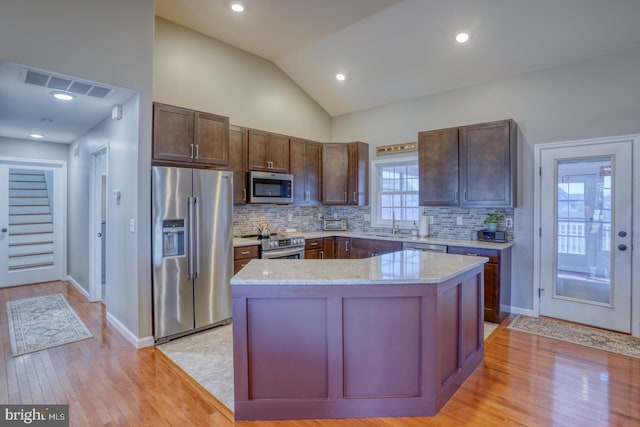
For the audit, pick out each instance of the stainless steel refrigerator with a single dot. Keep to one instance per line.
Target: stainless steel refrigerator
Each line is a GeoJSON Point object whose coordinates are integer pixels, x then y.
{"type": "Point", "coordinates": [192, 238]}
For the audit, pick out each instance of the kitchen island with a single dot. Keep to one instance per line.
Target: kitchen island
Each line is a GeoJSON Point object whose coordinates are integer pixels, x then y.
{"type": "Point", "coordinates": [388, 336]}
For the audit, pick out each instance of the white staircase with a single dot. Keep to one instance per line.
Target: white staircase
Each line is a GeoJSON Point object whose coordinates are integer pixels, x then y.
{"type": "Point", "coordinates": [30, 220]}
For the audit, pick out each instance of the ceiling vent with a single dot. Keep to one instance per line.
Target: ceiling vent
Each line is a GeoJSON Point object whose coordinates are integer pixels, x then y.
{"type": "Point", "coordinates": [59, 83]}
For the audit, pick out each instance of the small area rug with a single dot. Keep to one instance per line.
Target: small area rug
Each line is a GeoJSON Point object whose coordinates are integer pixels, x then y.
{"type": "Point", "coordinates": [578, 334]}
{"type": "Point", "coordinates": [43, 322]}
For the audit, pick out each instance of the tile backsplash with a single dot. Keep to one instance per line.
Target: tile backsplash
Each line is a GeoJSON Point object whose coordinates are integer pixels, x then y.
{"type": "Point", "coordinates": [309, 218]}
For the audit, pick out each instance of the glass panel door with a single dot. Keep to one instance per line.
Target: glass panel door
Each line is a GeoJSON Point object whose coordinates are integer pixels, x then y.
{"type": "Point", "coordinates": [585, 233]}
{"type": "Point", "coordinates": [583, 222]}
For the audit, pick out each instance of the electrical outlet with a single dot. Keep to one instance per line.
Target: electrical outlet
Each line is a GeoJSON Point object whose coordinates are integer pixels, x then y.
{"type": "Point", "coordinates": [319, 216]}
{"type": "Point", "coordinates": [459, 220]}
{"type": "Point", "coordinates": [509, 222]}
{"type": "Point", "coordinates": [430, 220]}
{"type": "Point", "coordinates": [290, 217]}
{"type": "Point", "coordinates": [367, 218]}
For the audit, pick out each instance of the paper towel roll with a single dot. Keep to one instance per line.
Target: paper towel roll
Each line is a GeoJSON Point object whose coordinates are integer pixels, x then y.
{"type": "Point", "coordinates": [424, 226]}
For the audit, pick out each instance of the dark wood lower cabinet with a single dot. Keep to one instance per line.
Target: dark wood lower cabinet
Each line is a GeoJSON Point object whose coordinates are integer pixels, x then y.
{"type": "Point", "coordinates": [366, 248]}
{"type": "Point", "coordinates": [329, 247]}
{"type": "Point", "coordinates": [314, 248]}
{"type": "Point", "coordinates": [343, 248]}
{"type": "Point", "coordinates": [242, 255]}
{"type": "Point", "coordinates": [497, 280]}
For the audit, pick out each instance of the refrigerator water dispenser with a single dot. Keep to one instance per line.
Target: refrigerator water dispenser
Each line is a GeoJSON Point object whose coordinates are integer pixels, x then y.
{"type": "Point", "coordinates": [173, 237]}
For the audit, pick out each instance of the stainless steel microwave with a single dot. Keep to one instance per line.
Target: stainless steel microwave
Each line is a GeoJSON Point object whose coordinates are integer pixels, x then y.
{"type": "Point", "coordinates": [270, 187]}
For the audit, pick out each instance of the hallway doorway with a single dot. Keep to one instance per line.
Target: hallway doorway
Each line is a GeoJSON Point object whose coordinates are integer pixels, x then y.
{"type": "Point", "coordinates": [32, 221]}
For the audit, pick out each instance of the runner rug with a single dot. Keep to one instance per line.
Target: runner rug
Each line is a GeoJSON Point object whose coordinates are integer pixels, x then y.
{"type": "Point", "coordinates": [578, 334]}
{"type": "Point", "coordinates": [43, 322]}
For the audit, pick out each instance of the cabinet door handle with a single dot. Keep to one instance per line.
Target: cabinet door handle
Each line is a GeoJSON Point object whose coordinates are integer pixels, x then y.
{"type": "Point", "coordinates": [321, 254]}
{"type": "Point", "coordinates": [346, 246]}
{"type": "Point", "coordinates": [314, 244]}
{"type": "Point", "coordinates": [244, 194]}
{"type": "Point", "coordinates": [245, 252]}
{"type": "Point", "coordinates": [456, 199]}
{"type": "Point", "coordinates": [197, 151]}
{"type": "Point", "coordinates": [345, 197]}
{"type": "Point", "coordinates": [191, 155]}
{"type": "Point", "coordinates": [471, 254]}
{"type": "Point", "coordinates": [355, 196]}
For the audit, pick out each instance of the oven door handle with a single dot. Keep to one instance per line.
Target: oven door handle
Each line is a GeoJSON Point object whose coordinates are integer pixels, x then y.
{"type": "Point", "coordinates": [279, 253]}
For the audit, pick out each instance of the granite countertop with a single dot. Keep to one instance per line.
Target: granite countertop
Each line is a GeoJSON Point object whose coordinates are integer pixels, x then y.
{"type": "Point", "coordinates": [402, 267]}
{"type": "Point", "coordinates": [240, 241]}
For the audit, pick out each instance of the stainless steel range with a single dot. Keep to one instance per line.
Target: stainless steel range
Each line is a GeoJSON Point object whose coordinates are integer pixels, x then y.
{"type": "Point", "coordinates": [282, 247]}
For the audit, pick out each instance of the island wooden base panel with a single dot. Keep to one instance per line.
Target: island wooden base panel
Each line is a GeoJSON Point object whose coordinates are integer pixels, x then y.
{"type": "Point", "coordinates": [348, 351]}
{"type": "Point", "coordinates": [524, 380]}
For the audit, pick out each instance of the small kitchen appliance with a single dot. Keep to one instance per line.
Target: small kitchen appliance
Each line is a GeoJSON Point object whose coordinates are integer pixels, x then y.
{"type": "Point", "coordinates": [492, 236]}
{"type": "Point", "coordinates": [335, 225]}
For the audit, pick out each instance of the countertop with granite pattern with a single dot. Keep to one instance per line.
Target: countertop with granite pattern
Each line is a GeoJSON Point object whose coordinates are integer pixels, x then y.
{"type": "Point", "coordinates": [241, 241]}
{"type": "Point", "coordinates": [402, 267]}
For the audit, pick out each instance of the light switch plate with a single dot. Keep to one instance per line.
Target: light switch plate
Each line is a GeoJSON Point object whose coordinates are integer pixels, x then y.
{"type": "Point", "coordinates": [459, 220]}
{"type": "Point", "coordinates": [132, 225]}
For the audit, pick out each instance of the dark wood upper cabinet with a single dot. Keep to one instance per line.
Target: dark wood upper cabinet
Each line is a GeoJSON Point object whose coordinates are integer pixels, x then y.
{"type": "Point", "coordinates": [306, 166]}
{"type": "Point", "coordinates": [268, 151]}
{"type": "Point", "coordinates": [184, 136]}
{"type": "Point", "coordinates": [238, 162]}
{"type": "Point", "coordinates": [211, 133]}
{"type": "Point", "coordinates": [471, 165]}
{"type": "Point", "coordinates": [358, 178]}
{"type": "Point", "coordinates": [335, 169]}
{"type": "Point", "coordinates": [345, 173]}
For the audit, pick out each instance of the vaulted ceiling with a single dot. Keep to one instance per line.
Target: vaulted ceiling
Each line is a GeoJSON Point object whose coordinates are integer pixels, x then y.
{"type": "Point", "coordinates": [389, 50]}
{"type": "Point", "coordinates": [393, 50]}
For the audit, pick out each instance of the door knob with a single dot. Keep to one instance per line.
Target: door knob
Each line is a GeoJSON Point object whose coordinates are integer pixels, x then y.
{"type": "Point", "coordinates": [622, 233]}
{"type": "Point", "coordinates": [4, 230]}
{"type": "Point", "coordinates": [622, 247]}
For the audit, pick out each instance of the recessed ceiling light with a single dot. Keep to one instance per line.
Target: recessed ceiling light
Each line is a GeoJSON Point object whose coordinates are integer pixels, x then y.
{"type": "Point", "coordinates": [340, 76]}
{"type": "Point", "coordinates": [62, 96]}
{"type": "Point", "coordinates": [462, 37]}
{"type": "Point", "coordinates": [36, 135]}
{"type": "Point", "coordinates": [236, 6]}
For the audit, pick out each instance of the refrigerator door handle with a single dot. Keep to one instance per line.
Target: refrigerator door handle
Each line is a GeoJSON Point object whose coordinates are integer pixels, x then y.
{"type": "Point", "coordinates": [190, 251]}
{"type": "Point", "coordinates": [196, 208]}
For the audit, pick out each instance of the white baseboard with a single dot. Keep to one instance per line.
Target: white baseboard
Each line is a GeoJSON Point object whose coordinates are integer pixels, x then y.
{"type": "Point", "coordinates": [77, 285]}
{"type": "Point", "coordinates": [137, 342]}
{"type": "Point", "coordinates": [524, 311]}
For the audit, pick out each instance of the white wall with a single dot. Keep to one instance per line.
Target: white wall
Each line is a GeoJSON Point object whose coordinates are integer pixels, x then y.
{"type": "Point", "coordinates": [195, 71]}
{"type": "Point", "coordinates": [121, 283]}
{"type": "Point", "coordinates": [10, 147]}
{"type": "Point", "coordinates": [109, 42]}
{"type": "Point", "coordinates": [593, 98]}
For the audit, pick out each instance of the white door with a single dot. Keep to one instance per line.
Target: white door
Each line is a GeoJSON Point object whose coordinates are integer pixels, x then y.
{"type": "Point", "coordinates": [585, 234]}
{"type": "Point", "coordinates": [31, 218]}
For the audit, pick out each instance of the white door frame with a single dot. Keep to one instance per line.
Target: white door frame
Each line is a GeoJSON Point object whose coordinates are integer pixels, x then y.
{"type": "Point", "coordinates": [95, 249]}
{"type": "Point", "coordinates": [60, 206]}
{"type": "Point", "coordinates": [635, 239]}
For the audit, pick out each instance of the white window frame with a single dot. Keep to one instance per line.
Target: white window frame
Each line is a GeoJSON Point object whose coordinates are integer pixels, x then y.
{"type": "Point", "coordinates": [376, 221]}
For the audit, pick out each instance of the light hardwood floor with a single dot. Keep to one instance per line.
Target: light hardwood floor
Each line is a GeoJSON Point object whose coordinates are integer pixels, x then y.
{"type": "Point", "coordinates": [524, 380]}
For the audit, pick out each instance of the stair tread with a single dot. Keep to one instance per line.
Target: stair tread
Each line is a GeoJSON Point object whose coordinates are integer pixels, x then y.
{"type": "Point", "coordinates": [44, 242]}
